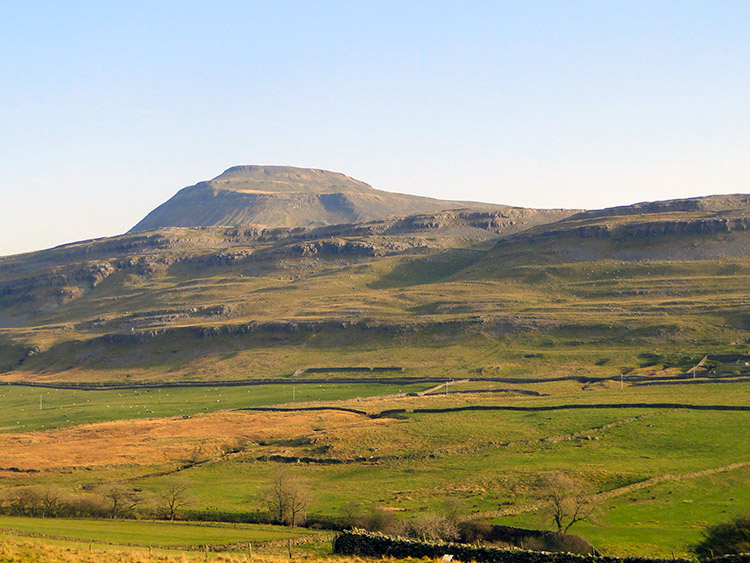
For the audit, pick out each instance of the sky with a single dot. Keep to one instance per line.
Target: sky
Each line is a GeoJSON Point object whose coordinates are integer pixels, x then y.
{"type": "Point", "coordinates": [107, 109]}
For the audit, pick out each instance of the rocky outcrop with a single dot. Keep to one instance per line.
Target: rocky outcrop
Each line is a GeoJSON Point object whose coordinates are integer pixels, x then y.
{"type": "Point", "coordinates": [500, 221]}
{"type": "Point", "coordinates": [160, 317]}
{"type": "Point", "coordinates": [62, 281]}
{"type": "Point", "coordinates": [696, 227]}
{"type": "Point", "coordinates": [643, 229]}
{"type": "Point", "coordinates": [149, 345]}
{"type": "Point", "coordinates": [147, 253]}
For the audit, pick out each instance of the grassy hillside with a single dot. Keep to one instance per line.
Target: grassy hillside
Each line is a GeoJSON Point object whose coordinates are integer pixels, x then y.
{"type": "Point", "coordinates": [530, 320]}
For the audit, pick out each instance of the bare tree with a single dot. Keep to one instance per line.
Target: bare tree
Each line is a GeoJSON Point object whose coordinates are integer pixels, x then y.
{"type": "Point", "coordinates": [351, 514]}
{"type": "Point", "coordinates": [442, 524]}
{"type": "Point", "coordinates": [174, 496]}
{"type": "Point", "coordinates": [298, 501]}
{"type": "Point", "coordinates": [567, 501]}
{"type": "Point", "coordinates": [24, 501]}
{"type": "Point", "coordinates": [453, 510]}
{"type": "Point", "coordinates": [120, 499]}
{"type": "Point", "coordinates": [276, 497]}
{"type": "Point", "coordinates": [433, 526]}
{"type": "Point", "coordinates": [51, 501]}
{"type": "Point", "coordinates": [288, 497]}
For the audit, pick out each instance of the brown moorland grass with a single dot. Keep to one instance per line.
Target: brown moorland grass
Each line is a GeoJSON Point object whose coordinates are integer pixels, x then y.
{"type": "Point", "coordinates": [154, 441]}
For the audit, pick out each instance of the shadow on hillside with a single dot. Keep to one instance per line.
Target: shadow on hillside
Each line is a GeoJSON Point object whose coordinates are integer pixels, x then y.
{"type": "Point", "coordinates": [428, 269]}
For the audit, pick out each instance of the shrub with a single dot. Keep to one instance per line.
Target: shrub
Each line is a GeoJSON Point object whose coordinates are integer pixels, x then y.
{"type": "Point", "coordinates": [431, 526]}
{"type": "Point", "coordinates": [474, 531]}
{"type": "Point", "coordinates": [725, 539]}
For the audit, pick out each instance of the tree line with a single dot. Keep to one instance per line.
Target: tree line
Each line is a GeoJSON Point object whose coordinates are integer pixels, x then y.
{"type": "Point", "coordinates": [288, 499]}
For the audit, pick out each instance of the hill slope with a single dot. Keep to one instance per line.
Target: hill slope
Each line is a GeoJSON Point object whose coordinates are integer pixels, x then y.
{"type": "Point", "coordinates": [707, 228]}
{"type": "Point", "coordinates": [445, 292]}
{"type": "Point", "coordinates": [284, 196]}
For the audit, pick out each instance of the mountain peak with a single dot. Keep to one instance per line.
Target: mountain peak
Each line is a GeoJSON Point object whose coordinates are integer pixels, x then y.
{"type": "Point", "coordinates": [286, 179]}
{"type": "Point", "coordinates": [286, 196]}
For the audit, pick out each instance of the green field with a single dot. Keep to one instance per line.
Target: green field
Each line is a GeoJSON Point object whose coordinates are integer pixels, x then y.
{"type": "Point", "coordinates": [486, 459]}
{"type": "Point", "coordinates": [663, 518]}
{"type": "Point", "coordinates": [28, 409]}
{"type": "Point", "coordinates": [482, 461]}
{"type": "Point", "coordinates": [123, 532]}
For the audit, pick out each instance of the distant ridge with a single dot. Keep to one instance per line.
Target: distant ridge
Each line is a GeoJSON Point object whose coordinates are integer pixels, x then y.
{"type": "Point", "coordinates": [285, 196]}
{"type": "Point", "coordinates": [713, 203]}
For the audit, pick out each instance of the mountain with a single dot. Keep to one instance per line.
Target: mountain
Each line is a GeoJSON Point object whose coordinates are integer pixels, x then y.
{"type": "Point", "coordinates": [284, 196]}
{"type": "Point", "coordinates": [442, 292]}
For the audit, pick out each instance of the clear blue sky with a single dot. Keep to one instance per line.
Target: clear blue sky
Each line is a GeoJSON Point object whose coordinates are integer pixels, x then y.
{"type": "Point", "coordinates": [108, 108]}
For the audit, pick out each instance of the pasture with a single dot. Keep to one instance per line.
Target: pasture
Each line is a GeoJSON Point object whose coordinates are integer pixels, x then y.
{"type": "Point", "coordinates": [145, 533]}
{"type": "Point", "coordinates": [28, 409]}
{"type": "Point", "coordinates": [665, 471]}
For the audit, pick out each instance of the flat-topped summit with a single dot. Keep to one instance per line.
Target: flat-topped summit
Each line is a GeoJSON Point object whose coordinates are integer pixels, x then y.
{"type": "Point", "coordinates": [285, 196]}
{"type": "Point", "coordinates": [254, 178]}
